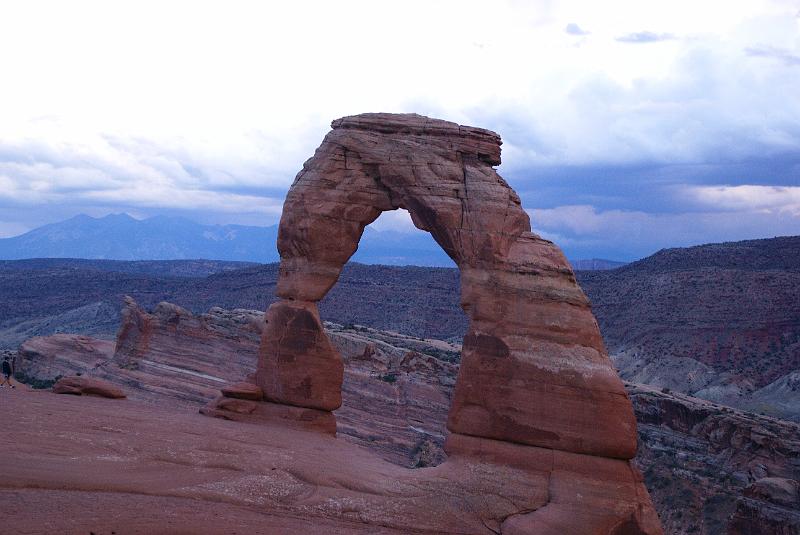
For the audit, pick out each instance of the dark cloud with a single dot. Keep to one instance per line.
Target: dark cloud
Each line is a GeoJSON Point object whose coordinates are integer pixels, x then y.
{"type": "Point", "coordinates": [652, 188]}
{"type": "Point", "coordinates": [781, 54]}
{"type": "Point", "coordinates": [574, 29]}
{"type": "Point", "coordinates": [618, 171]}
{"type": "Point", "coordinates": [645, 37]}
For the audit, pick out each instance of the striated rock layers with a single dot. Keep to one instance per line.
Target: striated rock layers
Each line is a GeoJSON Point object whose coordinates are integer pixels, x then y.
{"type": "Point", "coordinates": [535, 387]}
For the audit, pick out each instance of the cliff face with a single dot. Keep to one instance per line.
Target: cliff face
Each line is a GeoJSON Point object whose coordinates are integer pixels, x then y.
{"type": "Point", "coordinates": [713, 469]}
{"type": "Point", "coordinates": [710, 469]}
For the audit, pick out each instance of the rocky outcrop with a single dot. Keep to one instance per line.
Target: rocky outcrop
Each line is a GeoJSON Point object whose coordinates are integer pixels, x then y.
{"type": "Point", "coordinates": [190, 356]}
{"type": "Point", "coordinates": [46, 358]}
{"type": "Point", "coordinates": [87, 386]}
{"type": "Point", "coordinates": [770, 505]}
{"type": "Point", "coordinates": [168, 352]}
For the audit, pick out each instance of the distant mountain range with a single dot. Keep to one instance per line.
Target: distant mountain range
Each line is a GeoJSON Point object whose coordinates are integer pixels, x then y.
{"type": "Point", "coordinates": [122, 237]}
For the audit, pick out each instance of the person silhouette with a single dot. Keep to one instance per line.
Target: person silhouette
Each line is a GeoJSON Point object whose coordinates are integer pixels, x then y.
{"type": "Point", "coordinates": [7, 371]}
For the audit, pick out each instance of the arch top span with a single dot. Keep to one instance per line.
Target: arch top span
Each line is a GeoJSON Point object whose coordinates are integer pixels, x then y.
{"type": "Point", "coordinates": [534, 369]}
{"type": "Point", "coordinates": [439, 171]}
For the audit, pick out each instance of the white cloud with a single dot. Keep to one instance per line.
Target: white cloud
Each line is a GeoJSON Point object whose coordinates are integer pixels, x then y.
{"type": "Point", "coordinates": [97, 169]}
{"type": "Point", "coordinates": [249, 81]}
{"type": "Point", "coordinates": [766, 199]}
{"type": "Point", "coordinates": [645, 37]}
{"type": "Point", "coordinates": [395, 220]}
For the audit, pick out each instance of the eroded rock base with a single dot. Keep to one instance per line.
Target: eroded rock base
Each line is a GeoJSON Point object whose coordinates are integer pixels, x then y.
{"type": "Point", "coordinates": [585, 493]}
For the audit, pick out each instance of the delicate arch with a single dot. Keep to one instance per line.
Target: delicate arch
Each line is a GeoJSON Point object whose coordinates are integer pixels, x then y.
{"type": "Point", "coordinates": [533, 369]}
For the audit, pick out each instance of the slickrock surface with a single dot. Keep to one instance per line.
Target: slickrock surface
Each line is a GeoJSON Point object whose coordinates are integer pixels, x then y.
{"type": "Point", "coordinates": [533, 371]}
{"type": "Point", "coordinates": [253, 478]}
{"type": "Point", "coordinates": [81, 464]}
{"type": "Point", "coordinates": [698, 459]}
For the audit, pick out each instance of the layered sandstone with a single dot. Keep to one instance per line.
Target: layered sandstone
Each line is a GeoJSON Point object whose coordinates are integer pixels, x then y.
{"type": "Point", "coordinates": [534, 369]}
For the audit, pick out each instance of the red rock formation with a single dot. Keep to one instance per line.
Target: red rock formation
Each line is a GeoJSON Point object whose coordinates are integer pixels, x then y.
{"type": "Point", "coordinates": [534, 370]}
{"type": "Point", "coordinates": [87, 386]}
{"type": "Point", "coordinates": [46, 358]}
{"type": "Point", "coordinates": [189, 356]}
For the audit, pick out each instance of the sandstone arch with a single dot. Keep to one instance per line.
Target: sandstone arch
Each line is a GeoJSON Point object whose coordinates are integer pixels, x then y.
{"type": "Point", "coordinates": [537, 408]}
{"type": "Point", "coordinates": [534, 370]}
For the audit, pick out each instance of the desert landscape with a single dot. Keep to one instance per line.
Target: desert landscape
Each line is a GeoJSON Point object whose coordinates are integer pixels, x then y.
{"type": "Point", "coordinates": [353, 267]}
{"type": "Point", "coordinates": [149, 343]}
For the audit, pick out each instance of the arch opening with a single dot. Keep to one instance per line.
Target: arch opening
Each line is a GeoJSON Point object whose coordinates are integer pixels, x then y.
{"type": "Point", "coordinates": [393, 240]}
{"type": "Point", "coordinates": [400, 345]}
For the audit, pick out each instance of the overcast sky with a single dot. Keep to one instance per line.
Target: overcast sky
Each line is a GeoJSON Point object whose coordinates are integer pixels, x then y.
{"type": "Point", "coordinates": [628, 126]}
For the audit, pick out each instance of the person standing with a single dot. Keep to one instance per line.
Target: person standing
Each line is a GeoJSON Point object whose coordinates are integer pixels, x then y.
{"type": "Point", "coordinates": [7, 372]}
